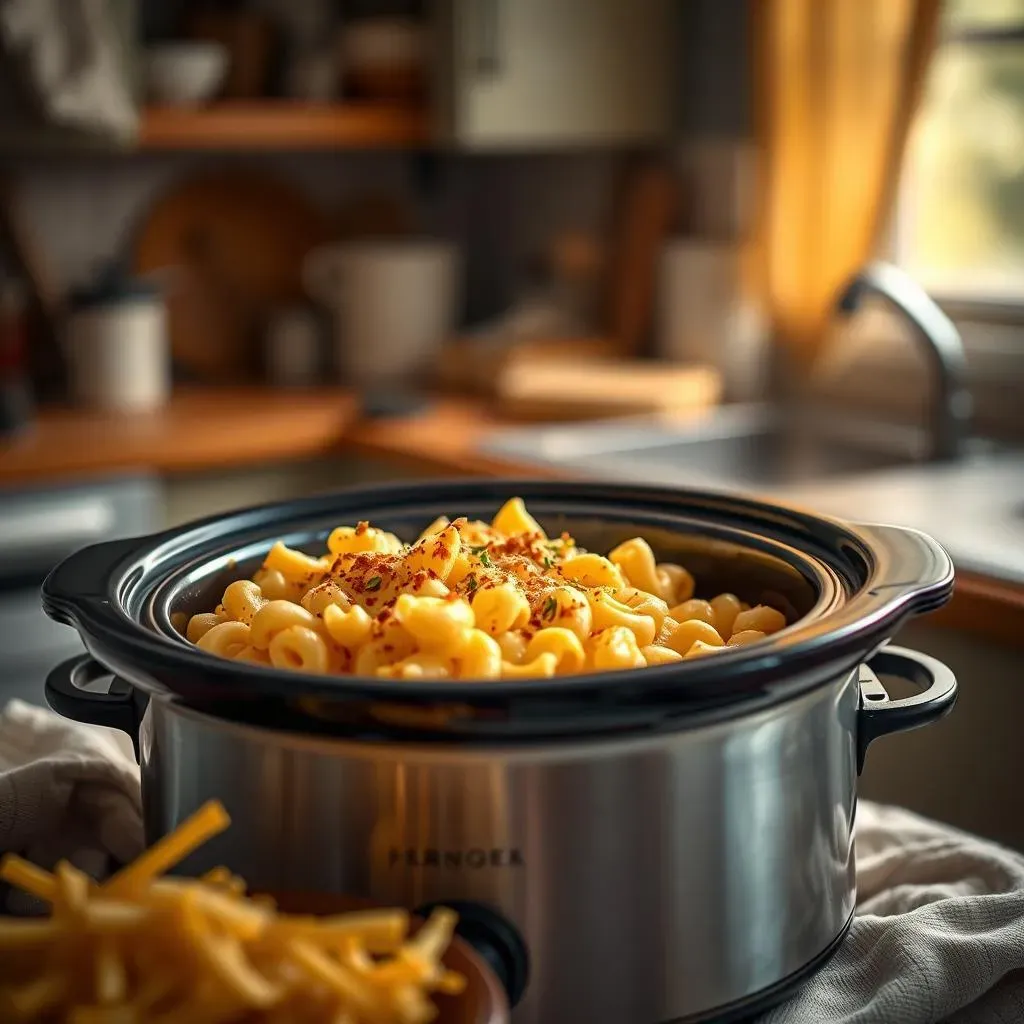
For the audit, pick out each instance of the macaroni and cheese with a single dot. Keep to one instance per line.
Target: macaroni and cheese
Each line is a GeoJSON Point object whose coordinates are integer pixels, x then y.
{"type": "Point", "coordinates": [472, 600]}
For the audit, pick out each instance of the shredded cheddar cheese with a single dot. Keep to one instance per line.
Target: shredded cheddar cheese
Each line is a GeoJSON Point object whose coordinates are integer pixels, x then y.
{"type": "Point", "coordinates": [143, 948]}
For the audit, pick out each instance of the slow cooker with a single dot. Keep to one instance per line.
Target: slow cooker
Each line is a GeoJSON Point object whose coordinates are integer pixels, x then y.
{"type": "Point", "coordinates": [666, 844]}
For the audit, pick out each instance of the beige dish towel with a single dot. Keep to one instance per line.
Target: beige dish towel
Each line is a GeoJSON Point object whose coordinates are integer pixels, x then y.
{"type": "Point", "coordinates": [72, 58]}
{"type": "Point", "coordinates": [938, 933]}
{"type": "Point", "coordinates": [938, 936]}
{"type": "Point", "coordinates": [66, 791]}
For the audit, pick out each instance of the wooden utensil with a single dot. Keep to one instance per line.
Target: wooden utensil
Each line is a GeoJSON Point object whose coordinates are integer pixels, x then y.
{"type": "Point", "coordinates": [248, 36]}
{"type": "Point", "coordinates": [45, 299]}
{"type": "Point", "coordinates": [647, 209]}
{"type": "Point", "coordinates": [231, 243]}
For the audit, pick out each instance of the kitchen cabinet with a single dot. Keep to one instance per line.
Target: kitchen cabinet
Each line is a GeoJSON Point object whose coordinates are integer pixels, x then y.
{"type": "Point", "coordinates": [966, 769]}
{"type": "Point", "coordinates": [513, 74]}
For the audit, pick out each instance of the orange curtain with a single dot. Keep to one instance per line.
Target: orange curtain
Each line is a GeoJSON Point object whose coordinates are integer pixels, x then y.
{"type": "Point", "coordinates": [836, 85]}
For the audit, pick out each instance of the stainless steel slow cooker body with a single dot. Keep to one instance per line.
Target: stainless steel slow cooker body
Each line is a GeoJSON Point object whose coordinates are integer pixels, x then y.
{"type": "Point", "coordinates": [642, 847]}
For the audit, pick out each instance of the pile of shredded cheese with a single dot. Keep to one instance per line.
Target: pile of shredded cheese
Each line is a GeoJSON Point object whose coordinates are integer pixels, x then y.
{"type": "Point", "coordinates": [143, 947]}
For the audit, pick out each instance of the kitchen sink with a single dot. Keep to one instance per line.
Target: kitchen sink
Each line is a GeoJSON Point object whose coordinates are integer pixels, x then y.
{"type": "Point", "coordinates": [779, 448]}
{"type": "Point", "coordinates": [743, 446]}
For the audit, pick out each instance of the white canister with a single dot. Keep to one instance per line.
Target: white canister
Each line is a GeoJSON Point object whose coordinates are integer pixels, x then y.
{"type": "Point", "coordinates": [705, 316]}
{"type": "Point", "coordinates": [394, 305]}
{"type": "Point", "coordinates": [292, 349]}
{"type": "Point", "coordinates": [118, 352]}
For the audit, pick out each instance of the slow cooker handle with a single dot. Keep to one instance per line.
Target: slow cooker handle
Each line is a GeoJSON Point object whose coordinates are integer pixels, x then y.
{"type": "Point", "coordinates": [879, 714]}
{"type": "Point", "coordinates": [911, 569]}
{"type": "Point", "coordinates": [78, 588]}
{"type": "Point", "coordinates": [118, 708]}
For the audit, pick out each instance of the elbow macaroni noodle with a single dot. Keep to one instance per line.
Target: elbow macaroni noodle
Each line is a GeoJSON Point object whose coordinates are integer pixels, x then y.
{"type": "Point", "coordinates": [472, 600]}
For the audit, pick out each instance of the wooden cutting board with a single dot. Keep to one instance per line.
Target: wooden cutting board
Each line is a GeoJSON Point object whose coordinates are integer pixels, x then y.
{"type": "Point", "coordinates": [572, 390]}
{"type": "Point", "coordinates": [473, 366]}
{"type": "Point", "coordinates": [230, 244]}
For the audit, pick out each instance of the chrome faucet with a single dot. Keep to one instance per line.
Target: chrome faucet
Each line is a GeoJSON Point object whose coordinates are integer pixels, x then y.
{"type": "Point", "coordinates": [951, 404]}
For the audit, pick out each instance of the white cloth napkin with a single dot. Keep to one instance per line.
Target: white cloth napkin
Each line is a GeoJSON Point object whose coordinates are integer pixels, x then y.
{"type": "Point", "coordinates": [938, 935]}
{"type": "Point", "coordinates": [66, 791]}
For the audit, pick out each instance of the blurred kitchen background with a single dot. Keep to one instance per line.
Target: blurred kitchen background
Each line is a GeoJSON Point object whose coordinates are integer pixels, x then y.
{"type": "Point", "coordinates": [256, 250]}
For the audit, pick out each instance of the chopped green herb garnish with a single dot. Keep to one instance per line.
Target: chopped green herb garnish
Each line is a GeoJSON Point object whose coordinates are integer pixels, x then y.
{"type": "Point", "coordinates": [485, 559]}
{"type": "Point", "coordinates": [373, 583]}
{"type": "Point", "coordinates": [550, 607]}
{"type": "Point", "coordinates": [471, 583]}
{"type": "Point", "coordinates": [548, 561]}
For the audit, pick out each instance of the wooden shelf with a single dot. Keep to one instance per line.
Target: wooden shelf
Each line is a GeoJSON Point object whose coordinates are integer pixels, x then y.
{"type": "Point", "coordinates": [199, 429]}
{"type": "Point", "coordinates": [283, 125]}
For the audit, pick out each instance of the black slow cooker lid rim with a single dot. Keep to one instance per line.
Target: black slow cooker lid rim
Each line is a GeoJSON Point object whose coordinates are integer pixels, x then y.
{"type": "Point", "coordinates": [149, 597]}
{"type": "Point", "coordinates": [540, 715]}
{"type": "Point", "coordinates": [284, 682]}
{"type": "Point", "coordinates": [799, 644]}
{"type": "Point", "coordinates": [826, 533]}
{"type": "Point", "coordinates": [158, 664]}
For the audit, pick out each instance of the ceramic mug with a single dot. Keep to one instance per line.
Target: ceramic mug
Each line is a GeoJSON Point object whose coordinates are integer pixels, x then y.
{"type": "Point", "coordinates": [393, 303]}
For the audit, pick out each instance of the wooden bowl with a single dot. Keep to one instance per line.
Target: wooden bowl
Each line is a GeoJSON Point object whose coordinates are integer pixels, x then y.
{"type": "Point", "coordinates": [483, 1001]}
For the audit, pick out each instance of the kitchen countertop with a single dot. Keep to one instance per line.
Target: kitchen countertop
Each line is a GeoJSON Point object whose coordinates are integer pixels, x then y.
{"type": "Point", "coordinates": [200, 428]}
{"type": "Point", "coordinates": [210, 428]}
{"type": "Point", "coordinates": [976, 511]}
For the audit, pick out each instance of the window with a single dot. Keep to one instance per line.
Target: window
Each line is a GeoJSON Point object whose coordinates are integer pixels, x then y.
{"type": "Point", "coordinates": [960, 221]}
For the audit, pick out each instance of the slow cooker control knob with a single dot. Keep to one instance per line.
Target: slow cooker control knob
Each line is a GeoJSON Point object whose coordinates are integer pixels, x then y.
{"type": "Point", "coordinates": [495, 938]}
